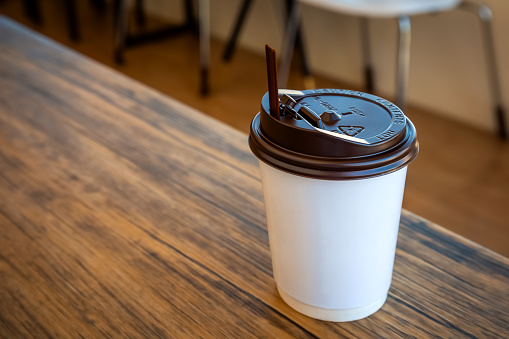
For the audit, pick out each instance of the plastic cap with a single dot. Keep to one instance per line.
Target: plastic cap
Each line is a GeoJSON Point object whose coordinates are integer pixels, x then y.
{"type": "Point", "coordinates": [333, 134]}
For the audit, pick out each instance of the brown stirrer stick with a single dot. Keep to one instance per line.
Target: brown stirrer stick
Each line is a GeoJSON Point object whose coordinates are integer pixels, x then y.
{"type": "Point", "coordinates": [270, 56]}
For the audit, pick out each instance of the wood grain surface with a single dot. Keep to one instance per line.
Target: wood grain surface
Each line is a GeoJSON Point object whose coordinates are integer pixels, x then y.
{"type": "Point", "coordinates": [124, 213]}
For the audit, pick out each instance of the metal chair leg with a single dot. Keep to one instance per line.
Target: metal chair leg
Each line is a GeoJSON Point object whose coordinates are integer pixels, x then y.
{"type": "Point", "coordinates": [484, 13]}
{"type": "Point", "coordinates": [288, 44]}
{"type": "Point", "coordinates": [403, 63]}
{"type": "Point", "coordinates": [232, 42]}
{"type": "Point", "coordinates": [204, 27]}
{"type": "Point", "coordinates": [366, 55]}
{"type": "Point", "coordinates": [122, 8]}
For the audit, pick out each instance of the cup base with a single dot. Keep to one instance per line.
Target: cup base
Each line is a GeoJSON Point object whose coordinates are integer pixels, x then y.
{"type": "Point", "coordinates": [337, 315]}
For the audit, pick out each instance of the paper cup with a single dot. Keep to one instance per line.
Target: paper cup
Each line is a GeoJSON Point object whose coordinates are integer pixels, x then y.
{"type": "Point", "coordinates": [333, 168]}
{"type": "Point", "coordinates": [333, 242]}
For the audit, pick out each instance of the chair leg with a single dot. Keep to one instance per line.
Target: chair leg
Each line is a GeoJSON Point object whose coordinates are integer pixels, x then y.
{"type": "Point", "coordinates": [99, 5]}
{"type": "Point", "coordinates": [32, 9]}
{"type": "Point", "coordinates": [232, 42]}
{"type": "Point", "coordinates": [403, 64]}
{"type": "Point", "coordinates": [139, 11]}
{"type": "Point", "coordinates": [309, 81]}
{"type": "Point", "coordinates": [204, 28]}
{"type": "Point", "coordinates": [121, 9]}
{"type": "Point", "coordinates": [366, 55]}
{"type": "Point", "coordinates": [189, 14]}
{"type": "Point", "coordinates": [288, 44]}
{"type": "Point", "coordinates": [484, 13]}
{"type": "Point", "coordinates": [72, 19]}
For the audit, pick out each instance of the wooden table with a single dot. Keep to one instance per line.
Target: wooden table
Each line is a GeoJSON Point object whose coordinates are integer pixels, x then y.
{"type": "Point", "coordinates": [125, 213]}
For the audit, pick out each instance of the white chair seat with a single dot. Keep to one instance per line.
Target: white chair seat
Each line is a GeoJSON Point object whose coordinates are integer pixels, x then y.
{"type": "Point", "coordinates": [383, 8]}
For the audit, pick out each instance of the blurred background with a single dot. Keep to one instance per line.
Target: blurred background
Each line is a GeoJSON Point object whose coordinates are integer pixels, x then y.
{"type": "Point", "coordinates": [460, 179]}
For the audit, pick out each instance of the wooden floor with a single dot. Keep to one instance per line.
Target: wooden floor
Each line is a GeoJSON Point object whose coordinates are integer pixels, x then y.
{"type": "Point", "coordinates": [460, 179]}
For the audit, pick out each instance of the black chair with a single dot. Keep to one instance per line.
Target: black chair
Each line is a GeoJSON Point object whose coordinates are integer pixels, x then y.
{"type": "Point", "coordinates": [32, 9]}
{"type": "Point", "coordinates": [237, 28]}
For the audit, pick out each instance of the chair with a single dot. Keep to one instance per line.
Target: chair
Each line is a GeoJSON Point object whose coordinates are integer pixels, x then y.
{"type": "Point", "coordinates": [402, 10]}
{"type": "Point", "coordinates": [123, 39]}
{"type": "Point", "coordinates": [32, 9]}
{"type": "Point", "coordinates": [237, 28]}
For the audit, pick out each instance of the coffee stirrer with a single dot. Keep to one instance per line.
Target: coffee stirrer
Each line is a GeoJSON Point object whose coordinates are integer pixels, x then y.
{"type": "Point", "coordinates": [270, 56]}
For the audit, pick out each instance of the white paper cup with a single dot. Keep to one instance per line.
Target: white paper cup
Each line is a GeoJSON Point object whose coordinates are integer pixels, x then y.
{"type": "Point", "coordinates": [333, 242]}
{"type": "Point", "coordinates": [333, 167]}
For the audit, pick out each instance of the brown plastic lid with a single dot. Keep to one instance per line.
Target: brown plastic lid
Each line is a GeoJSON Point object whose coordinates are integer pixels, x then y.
{"type": "Point", "coordinates": [333, 134]}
